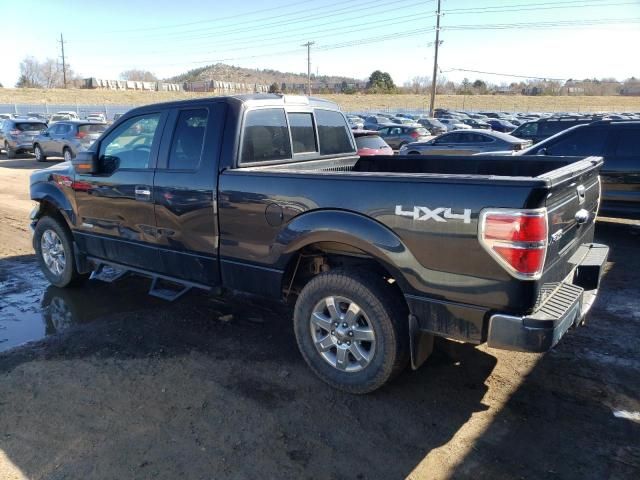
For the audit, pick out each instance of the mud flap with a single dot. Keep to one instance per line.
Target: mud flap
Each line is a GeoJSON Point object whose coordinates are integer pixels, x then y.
{"type": "Point", "coordinates": [420, 343]}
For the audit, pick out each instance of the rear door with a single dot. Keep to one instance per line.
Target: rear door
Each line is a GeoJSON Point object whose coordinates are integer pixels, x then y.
{"type": "Point", "coordinates": [621, 171]}
{"type": "Point", "coordinates": [185, 193]}
{"type": "Point", "coordinates": [115, 214]}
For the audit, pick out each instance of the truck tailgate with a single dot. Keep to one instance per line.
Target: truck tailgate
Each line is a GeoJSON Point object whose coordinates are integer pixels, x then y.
{"type": "Point", "coordinates": [572, 205]}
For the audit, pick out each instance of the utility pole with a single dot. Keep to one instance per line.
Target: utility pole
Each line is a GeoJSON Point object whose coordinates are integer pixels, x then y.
{"type": "Point", "coordinates": [435, 62]}
{"type": "Point", "coordinates": [64, 65]}
{"type": "Point", "coordinates": [308, 45]}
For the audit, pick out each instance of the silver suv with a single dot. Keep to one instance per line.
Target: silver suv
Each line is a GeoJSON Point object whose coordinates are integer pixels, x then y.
{"type": "Point", "coordinates": [16, 136]}
{"type": "Point", "coordinates": [66, 139]}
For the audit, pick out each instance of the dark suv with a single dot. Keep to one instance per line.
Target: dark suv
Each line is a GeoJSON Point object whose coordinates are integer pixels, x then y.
{"type": "Point", "coordinates": [16, 135]}
{"type": "Point", "coordinates": [538, 130]}
{"type": "Point", "coordinates": [618, 142]}
{"type": "Point", "coordinates": [66, 139]}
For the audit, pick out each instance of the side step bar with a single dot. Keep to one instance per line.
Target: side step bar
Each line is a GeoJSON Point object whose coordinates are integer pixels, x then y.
{"type": "Point", "coordinates": [162, 286]}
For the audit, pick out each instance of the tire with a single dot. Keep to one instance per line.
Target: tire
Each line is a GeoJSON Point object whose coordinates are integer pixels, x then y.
{"type": "Point", "coordinates": [382, 318]}
{"type": "Point", "coordinates": [67, 155]}
{"type": "Point", "coordinates": [10, 153]}
{"type": "Point", "coordinates": [37, 151]}
{"type": "Point", "coordinates": [54, 251]}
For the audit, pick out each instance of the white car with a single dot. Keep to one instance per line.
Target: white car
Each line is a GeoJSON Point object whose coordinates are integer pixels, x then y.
{"type": "Point", "coordinates": [96, 117]}
{"type": "Point", "coordinates": [71, 114]}
{"type": "Point", "coordinates": [453, 124]}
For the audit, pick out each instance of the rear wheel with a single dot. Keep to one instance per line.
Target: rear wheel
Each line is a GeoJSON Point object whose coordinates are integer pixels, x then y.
{"type": "Point", "coordinates": [68, 156]}
{"type": "Point", "coordinates": [54, 252]}
{"type": "Point", "coordinates": [37, 151]}
{"type": "Point", "coordinates": [351, 329]}
{"type": "Point", "coordinates": [10, 153]}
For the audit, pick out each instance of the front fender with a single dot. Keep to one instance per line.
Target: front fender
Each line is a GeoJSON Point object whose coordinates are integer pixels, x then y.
{"type": "Point", "coordinates": [46, 192]}
{"type": "Point", "coordinates": [351, 229]}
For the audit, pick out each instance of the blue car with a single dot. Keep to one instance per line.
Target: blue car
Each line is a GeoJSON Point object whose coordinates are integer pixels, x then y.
{"type": "Point", "coordinates": [501, 125]}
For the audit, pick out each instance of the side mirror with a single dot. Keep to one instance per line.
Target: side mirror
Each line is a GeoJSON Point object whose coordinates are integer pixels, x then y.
{"type": "Point", "coordinates": [86, 163]}
{"type": "Point", "coordinates": [542, 151]}
{"type": "Point", "coordinates": [44, 133]}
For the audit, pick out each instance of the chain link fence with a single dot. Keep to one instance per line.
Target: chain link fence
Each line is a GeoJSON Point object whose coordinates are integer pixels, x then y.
{"type": "Point", "coordinates": [82, 110]}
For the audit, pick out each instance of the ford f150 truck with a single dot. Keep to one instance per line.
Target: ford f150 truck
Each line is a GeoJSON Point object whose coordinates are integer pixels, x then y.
{"type": "Point", "coordinates": [265, 194]}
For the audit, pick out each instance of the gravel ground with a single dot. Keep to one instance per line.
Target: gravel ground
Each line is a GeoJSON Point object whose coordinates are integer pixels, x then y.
{"type": "Point", "coordinates": [117, 384]}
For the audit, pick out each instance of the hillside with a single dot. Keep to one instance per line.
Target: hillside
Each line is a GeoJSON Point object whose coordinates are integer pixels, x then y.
{"type": "Point", "coordinates": [230, 73]}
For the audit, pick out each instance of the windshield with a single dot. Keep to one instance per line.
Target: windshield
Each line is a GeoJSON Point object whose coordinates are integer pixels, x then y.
{"type": "Point", "coordinates": [30, 127]}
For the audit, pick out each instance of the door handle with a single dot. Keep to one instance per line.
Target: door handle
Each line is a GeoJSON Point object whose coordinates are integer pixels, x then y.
{"type": "Point", "coordinates": [143, 193]}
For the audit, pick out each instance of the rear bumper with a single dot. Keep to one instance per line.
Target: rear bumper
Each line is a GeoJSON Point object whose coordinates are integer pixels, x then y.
{"type": "Point", "coordinates": [567, 306]}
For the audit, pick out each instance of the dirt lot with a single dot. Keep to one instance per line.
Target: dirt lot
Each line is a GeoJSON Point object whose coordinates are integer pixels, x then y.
{"type": "Point", "coordinates": [347, 102]}
{"type": "Point", "coordinates": [120, 385]}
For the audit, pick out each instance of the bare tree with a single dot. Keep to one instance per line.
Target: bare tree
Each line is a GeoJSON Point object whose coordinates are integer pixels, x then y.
{"type": "Point", "coordinates": [50, 74]}
{"type": "Point", "coordinates": [29, 73]}
{"type": "Point", "coordinates": [138, 75]}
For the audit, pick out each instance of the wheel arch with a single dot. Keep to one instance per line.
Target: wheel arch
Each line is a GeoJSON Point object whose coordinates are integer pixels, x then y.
{"type": "Point", "coordinates": [52, 202]}
{"type": "Point", "coordinates": [340, 233]}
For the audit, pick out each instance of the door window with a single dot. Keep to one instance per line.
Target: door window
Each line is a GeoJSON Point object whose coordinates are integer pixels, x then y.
{"type": "Point", "coordinates": [129, 145]}
{"type": "Point", "coordinates": [628, 143]}
{"type": "Point", "coordinates": [582, 142]}
{"type": "Point", "coordinates": [188, 139]}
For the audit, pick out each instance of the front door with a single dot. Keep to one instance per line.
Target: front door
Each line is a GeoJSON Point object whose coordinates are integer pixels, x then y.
{"type": "Point", "coordinates": [116, 218]}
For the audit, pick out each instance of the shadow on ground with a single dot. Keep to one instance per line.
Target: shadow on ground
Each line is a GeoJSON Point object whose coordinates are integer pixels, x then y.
{"type": "Point", "coordinates": [129, 386]}
{"type": "Point", "coordinates": [560, 423]}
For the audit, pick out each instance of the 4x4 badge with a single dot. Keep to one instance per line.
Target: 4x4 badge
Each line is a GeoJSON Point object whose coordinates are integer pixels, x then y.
{"type": "Point", "coordinates": [426, 213]}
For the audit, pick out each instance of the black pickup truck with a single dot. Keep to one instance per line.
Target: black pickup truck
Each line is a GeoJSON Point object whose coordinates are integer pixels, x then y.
{"type": "Point", "coordinates": [265, 194]}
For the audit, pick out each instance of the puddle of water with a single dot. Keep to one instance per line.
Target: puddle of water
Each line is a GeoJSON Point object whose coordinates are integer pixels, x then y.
{"type": "Point", "coordinates": [31, 309]}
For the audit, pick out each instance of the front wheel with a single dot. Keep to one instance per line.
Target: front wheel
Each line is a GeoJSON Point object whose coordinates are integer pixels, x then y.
{"type": "Point", "coordinates": [66, 153]}
{"type": "Point", "coordinates": [54, 251]}
{"type": "Point", "coordinates": [351, 329]}
{"type": "Point", "coordinates": [10, 153]}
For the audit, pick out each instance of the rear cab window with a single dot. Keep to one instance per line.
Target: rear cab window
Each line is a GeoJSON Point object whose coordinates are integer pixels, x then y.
{"type": "Point", "coordinates": [273, 134]}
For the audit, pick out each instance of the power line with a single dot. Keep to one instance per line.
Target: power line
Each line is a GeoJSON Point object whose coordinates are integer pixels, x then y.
{"type": "Point", "coordinates": [532, 77]}
{"type": "Point", "coordinates": [536, 5]}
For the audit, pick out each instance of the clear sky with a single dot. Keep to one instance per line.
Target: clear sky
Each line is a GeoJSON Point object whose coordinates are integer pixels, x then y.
{"type": "Point", "coordinates": [598, 38]}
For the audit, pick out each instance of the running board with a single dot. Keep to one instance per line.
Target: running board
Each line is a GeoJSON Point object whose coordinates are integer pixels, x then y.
{"type": "Point", "coordinates": [161, 288]}
{"type": "Point", "coordinates": [109, 274]}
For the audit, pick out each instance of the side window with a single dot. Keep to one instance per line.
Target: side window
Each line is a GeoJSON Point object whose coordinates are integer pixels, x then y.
{"type": "Point", "coordinates": [303, 134]}
{"type": "Point", "coordinates": [334, 134]}
{"type": "Point", "coordinates": [628, 143]}
{"type": "Point", "coordinates": [188, 139]}
{"type": "Point", "coordinates": [129, 146]}
{"type": "Point", "coordinates": [583, 142]}
{"type": "Point", "coordinates": [529, 129]}
{"type": "Point", "coordinates": [266, 136]}
{"type": "Point", "coordinates": [60, 129]}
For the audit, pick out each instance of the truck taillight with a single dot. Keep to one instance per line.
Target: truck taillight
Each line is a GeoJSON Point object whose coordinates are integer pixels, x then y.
{"type": "Point", "coordinates": [516, 239]}
{"type": "Point", "coordinates": [414, 134]}
{"type": "Point", "coordinates": [81, 135]}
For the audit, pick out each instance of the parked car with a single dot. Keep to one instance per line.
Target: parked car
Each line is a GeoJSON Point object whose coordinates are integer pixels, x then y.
{"type": "Point", "coordinates": [500, 125]}
{"type": "Point", "coordinates": [466, 142]}
{"type": "Point", "coordinates": [400, 135]}
{"type": "Point", "coordinates": [404, 121]}
{"type": "Point", "coordinates": [59, 117]}
{"type": "Point", "coordinates": [618, 142]}
{"type": "Point", "coordinates": [453, 124]}
{"type": "Point", "coordinates": [16, 135]}
{"type": "Point", "coordinates": [96, 117]}
{"type": "Point", "coordinates": [266, 195]}
{"type": "Point", "coordinates": [369, 142]}
{"type": "Point", "coordinates": [374, 122]}
{"type": "Point", "coordinates": [474, 123]}
{"type": "Point", "coordinates": [435, 126]}
{"type": "Point", "coordinates": [66, 138]}
{"type": "Point", "coordinates": [538, 130]}
{"type": "Point", "coordinates": [116, 116]}
{"type": "Point", "coordinates": [72, 115]}
{"type": "Point", "coordinates": [355, 122]}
